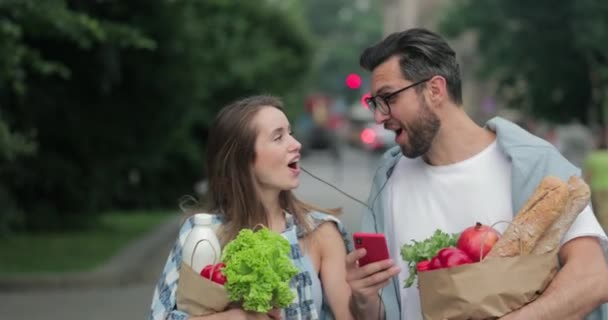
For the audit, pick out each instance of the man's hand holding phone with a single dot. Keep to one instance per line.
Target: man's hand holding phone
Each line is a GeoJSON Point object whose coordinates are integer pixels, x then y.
{"type": "Point", "coordinates": [366, 279]}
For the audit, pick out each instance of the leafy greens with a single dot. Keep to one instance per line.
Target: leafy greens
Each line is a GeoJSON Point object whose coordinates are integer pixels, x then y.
{"type": "Point", "coordinates": [258, 270]}
{"type": "Point", "coordinates": [425, 250]}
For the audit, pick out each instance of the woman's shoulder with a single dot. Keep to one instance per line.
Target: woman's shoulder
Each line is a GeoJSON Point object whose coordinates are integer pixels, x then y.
{"type": "Point", "coordinates": [323, 222]}
{"type": "Point", "coordinates": [318, 218]}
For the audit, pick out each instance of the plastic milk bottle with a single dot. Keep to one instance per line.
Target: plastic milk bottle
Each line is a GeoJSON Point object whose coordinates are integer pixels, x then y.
{"type": "Point", "coordinates": [202, 246]}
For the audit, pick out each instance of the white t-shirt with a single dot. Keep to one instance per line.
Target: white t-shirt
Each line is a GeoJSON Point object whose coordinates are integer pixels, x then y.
{"type": "Point", "coordinates": [425, 198]}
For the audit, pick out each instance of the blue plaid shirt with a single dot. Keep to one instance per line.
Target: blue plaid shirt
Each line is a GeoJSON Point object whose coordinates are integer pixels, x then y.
{"type": "Point", "coordinates": [164, 304]}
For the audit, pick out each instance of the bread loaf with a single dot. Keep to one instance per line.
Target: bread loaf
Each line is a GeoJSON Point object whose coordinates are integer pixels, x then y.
{"type": "Point", "coordinates": [537, 215]}
{"type": "Point", "coordinates": [578, 198]}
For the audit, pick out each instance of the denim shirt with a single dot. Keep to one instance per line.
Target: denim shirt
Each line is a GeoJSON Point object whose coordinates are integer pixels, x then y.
{"type": "Point", "coordinates": [532, 158]}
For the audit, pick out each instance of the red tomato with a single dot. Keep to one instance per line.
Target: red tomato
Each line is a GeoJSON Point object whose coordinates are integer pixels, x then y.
{"type": "Point", "coordinates": [219, 277]}
{"type": "Point", "coordinates": [206, 272]}
{"type": "Point", "coordinates": [451, 257]}
{"type": "Point", "coordinates": [435, 264]}
{"type": "Point", "coordinates": [423, 265]}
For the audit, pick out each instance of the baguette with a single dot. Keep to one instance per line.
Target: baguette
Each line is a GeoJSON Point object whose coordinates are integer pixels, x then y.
{"type": "Point", "coordinates": [578, 198]}
{"type": "Point", "coordinates": [537, 215]}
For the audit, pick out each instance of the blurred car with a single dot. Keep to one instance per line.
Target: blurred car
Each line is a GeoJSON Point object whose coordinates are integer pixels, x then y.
{"type": "Point", "coordinates": [313, 137]}
{"type": "Point", "coordinates": [375, 138]}
{"type": "Point", "coordinates": [364, 133]}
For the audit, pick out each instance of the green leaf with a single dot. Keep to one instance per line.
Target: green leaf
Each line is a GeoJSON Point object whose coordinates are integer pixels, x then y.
{"type": "Point", "coordinates": [425, 250]}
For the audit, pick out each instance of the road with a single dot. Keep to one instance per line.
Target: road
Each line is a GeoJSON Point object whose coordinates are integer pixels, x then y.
{"type": "Point", "coordinates": [353, 176]}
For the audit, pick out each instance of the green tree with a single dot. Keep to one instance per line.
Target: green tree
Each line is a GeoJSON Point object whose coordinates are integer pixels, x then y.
{"type": "Point", "coordinates": [542, 53]}
{"type": "Point", "coordinates": [118, 96]}
{"type": "Point", "coordinates": [592, 38]}
{"type": "Point", "coordinates": [26, 28]}
{"type": "Point", "coordinates": [342, 28]}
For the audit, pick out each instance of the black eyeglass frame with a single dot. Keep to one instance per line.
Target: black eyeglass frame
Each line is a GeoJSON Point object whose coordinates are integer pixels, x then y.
{"type": "Point", "coordinates": [371, 101]}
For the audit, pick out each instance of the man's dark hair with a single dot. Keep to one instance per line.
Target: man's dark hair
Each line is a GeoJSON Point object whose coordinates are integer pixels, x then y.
{"type": "Point", "coordinates": [422, 54]}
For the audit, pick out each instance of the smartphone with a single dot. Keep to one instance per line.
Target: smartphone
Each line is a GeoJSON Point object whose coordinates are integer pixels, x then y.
{"type": "Point", "coordinates": [374, 244]}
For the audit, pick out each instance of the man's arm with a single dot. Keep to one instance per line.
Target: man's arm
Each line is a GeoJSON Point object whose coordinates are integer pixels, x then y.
{"type": "Point", "coordinates": [578, 288]}
{"type": "Point", "coordinates": [363, 312]}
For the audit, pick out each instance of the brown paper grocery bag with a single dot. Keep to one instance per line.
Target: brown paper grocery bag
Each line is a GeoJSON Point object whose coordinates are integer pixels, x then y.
{"type": "Point", "coordinates": [198, 296]}
{"type": "Point", "coordinates": [485, 290]}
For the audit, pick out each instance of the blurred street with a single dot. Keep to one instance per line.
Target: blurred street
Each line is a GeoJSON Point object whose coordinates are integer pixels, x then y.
{"type": "Point", "coordinates": [353, 175]}
{"type": "Point", "coordinates": [132, 302]}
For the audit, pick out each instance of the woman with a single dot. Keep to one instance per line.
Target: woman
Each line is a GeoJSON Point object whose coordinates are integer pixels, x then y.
{"type": "Point", "coordinates": [252, 167]}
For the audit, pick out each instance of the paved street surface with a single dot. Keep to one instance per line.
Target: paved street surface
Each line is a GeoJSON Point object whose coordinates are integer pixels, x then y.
{"type": "Point", "coordinates": [133, 302]}
{"type": "Point", "coordinates": [123, 302]}
{"type": "Point", "coordinates": [353, 176]}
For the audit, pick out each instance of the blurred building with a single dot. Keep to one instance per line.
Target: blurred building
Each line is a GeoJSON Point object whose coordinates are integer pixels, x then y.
{"type": "Point", "coordinates": [403, 14]}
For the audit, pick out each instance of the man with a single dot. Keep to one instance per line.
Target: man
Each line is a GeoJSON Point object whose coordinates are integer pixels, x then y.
{"type": "Point", "coordinates": [452, 174]}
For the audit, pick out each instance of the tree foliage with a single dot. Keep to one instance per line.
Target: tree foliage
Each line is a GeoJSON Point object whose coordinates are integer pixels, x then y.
{"type": "Point", "coordinates": [343, 28]}
{"type": "Point", "coordinates": [105, 104]}
{"type": "Point", "coordinates": [548, 57]}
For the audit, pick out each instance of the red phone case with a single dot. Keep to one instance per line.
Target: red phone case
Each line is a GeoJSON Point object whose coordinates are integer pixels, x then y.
{"type": "Point", "coordinates": [374, 244]}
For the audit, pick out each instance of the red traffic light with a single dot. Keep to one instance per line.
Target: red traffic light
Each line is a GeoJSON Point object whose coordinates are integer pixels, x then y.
{"type": "Point", "coordinates": [353, 81]}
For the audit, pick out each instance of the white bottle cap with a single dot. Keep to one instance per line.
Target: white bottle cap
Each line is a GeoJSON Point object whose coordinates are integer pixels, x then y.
{"type": "Point", "coordinates": [203, 219]}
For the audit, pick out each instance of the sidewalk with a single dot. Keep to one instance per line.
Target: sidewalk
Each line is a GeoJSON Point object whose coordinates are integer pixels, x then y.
{"type": "Point", "coordinates": [139, 261]}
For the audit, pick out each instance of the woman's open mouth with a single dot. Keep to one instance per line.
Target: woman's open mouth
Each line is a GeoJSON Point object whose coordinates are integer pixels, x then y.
{"type": "Point", "coordinates": [294, 166]}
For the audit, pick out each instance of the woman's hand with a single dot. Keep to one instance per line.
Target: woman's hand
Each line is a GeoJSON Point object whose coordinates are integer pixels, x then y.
{"type": "Point", "coordinates": [274, 314]}
{"type": "Point", "coordinates": [240, 314]}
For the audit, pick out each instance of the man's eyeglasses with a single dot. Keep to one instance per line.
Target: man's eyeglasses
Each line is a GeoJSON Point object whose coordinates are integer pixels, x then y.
{"type": "Point", "coordinates": [381, 101]}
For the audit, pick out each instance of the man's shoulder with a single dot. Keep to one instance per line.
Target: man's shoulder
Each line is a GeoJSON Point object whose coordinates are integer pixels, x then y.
{"type": "Point", "coordinates": [389, 160]}
{"type": "Point", "coordinates": [391, 154]}
{"type": "Point", "coordinates": [514, 140]}
{"type": "Point", "coordinates": [532, 158]}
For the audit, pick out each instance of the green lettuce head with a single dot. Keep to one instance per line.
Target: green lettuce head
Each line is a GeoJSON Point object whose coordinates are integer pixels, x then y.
{"type": "Point", "coordinates": [258, 270]}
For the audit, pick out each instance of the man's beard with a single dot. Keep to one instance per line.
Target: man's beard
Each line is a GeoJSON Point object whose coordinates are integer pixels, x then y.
{"type": "Point", "coordinates": [421, 132]}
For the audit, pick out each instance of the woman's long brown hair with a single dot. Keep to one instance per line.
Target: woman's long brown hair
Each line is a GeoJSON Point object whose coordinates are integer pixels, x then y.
{"type": "Point", "coordinates": [230, 155]}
